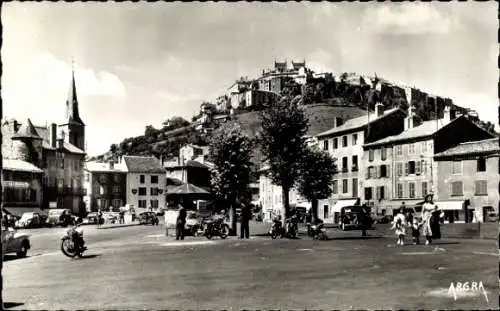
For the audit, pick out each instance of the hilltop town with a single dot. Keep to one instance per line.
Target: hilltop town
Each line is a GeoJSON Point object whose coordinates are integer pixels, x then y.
{"type": "Point", "coordinates": [324, 96]}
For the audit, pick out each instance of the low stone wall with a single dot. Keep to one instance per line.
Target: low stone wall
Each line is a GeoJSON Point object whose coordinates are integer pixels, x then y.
{"type": "Point", "coordinates": [489, 230]}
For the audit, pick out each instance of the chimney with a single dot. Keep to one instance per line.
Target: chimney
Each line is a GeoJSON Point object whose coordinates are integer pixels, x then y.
{"type": "Point", "coordinates": [338, 122]}
{"type": "Point", "coordinates": [111, 165]}
{"type": "Point", "coordinates": [447, 114]}
{"type": "Point", "coordinates": [379, 109]}
{"type": "Point", "coordinates": [53, 135]}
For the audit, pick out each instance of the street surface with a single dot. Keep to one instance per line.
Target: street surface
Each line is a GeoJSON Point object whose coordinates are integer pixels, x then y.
{"type": "Point", "coordinates": [140, 268]}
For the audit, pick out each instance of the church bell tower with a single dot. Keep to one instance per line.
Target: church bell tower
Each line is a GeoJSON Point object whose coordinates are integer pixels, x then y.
{"type": "Point", "coordinates": [74, 126]}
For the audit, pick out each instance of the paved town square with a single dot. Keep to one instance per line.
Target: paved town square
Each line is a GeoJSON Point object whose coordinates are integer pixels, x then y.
{"type": "Point", "coordinates": [140, 268]}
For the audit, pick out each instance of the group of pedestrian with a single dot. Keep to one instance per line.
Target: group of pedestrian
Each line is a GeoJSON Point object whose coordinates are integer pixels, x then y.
{"type": "Point", "coordinates": [428, 223]}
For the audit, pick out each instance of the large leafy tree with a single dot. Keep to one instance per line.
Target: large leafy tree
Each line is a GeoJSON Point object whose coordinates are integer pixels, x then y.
{"type": "Point", "coordinates": [230, 151]}
{"type": "Point", "coordinates": [282, 140]}
{"type": "Point", "coordinates": [316, 177]}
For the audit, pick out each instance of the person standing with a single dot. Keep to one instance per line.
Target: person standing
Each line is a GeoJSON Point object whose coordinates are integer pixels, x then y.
{"type": "Point", "coordinates": [245, 219]}
{"type": "Point", "coordinates": [364, 219]}
{"type": "Point", "coordinates": [99, 218]}
{"type": "Point", "coordinates": [427, 209]}
{"type": "Point", "coordinates": [180, 223]}
{"type": "Point", "coordinates": [399, 224]}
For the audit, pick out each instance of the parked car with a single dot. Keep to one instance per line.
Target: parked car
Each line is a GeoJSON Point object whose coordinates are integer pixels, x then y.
{"type": "Point", "coordinates": [30, 220]}
{"type": "Point", "coordinates": [60, 217]}
{"type": "Point", "coordinates": [351, 218]}
{"type": "Point", "coordinates": [14, 242]}
{"type": "Point", "coordinates": [146, 218]}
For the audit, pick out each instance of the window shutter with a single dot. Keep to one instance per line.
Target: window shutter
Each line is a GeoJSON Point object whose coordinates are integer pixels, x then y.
{"type": "Point", "coordinates": [407, 168]}
{"type": "Point", "coordinates": [367, 173]}
{"type": "Point", "coordinates": [378, 193]}
{"type": "Point", "coordinates": [417, 167]}
{"type": "Point", "coordinates": [387, 170]}
{"type": "Point", "coordinates": [378, 171]}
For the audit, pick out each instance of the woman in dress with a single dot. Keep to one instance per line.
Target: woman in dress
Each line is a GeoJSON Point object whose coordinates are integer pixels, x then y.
{"type": "Point", "coordinates": [427, 209]}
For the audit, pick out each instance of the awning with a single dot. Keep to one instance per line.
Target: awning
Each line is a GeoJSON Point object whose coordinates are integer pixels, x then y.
{"type": "Point", "coordinates": [19, 211]}
{"type": "Point", "coordinates": [342, 203]}
{"type": "Point", "coordinates": [16, 184]}
{"type": "Point", "coordinates": [451, 205]}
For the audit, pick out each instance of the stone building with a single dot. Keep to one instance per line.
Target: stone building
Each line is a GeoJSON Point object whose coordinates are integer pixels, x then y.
{"type": "Point", "coordinates": [59, 153]}
{"type": "Point", "coordinates": [106, 186]}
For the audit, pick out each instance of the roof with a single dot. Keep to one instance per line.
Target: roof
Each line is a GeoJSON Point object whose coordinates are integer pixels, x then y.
{"type": "Point", "coordinates": [138, 164]}
{"type": "Point", "coordinates": [93, 166]}
{"type": "Point", "coordinates": [427, 128]}
{"type": "Point", "coordinates": [486, 146]}
{"type": "Point", "coordinates": [45, 134]}
{"type": "Point", "coordinates": [27, 130]}
{"type": "Point", "coordinates": [19, 166]}
{"type": "Point", "coordinates": [357, 123]}
{"type": "Point", "coordinates": [190, 163]}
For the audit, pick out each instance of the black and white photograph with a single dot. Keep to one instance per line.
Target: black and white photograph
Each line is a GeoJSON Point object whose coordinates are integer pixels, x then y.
{"type": "Point", "coordinates": [250, 155]}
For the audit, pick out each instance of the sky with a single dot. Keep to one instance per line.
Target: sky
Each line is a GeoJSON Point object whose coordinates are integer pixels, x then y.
{"type": "Point", "coordinates": [138, 64]}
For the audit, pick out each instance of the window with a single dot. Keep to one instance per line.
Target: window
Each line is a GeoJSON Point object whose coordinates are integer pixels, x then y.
{"type": "Point", "coordinates": [116, 189]}
{"type": "Point", "coordinates": [326, 212]}
{"type": "Point", "coordinates": [481, 164]}
{"type": "Point", "coordinates": [412, 189]}
{"type": "Point", "coordinates": [383, 171]}
{"type": "Point", "coordinates": [345, 169]}
{"type": "Point", "coordinates": [335, 143]}
{"type": "Point", "coordinates": [424, 146]}
{"type": "Point", "coordinates": [154, 191]}
{"type": "Point", "coordinates": [154, 179]}
{"type": "Point", "coordinates": [381, 193]}
{"type": "Point", "coordinates": [116, 178]}
{"type": "Point", "coordinates": [344, 141]}
{"type": "Point", "coordinates": [424, 189]}
{"type": "Point", "coordinates": [325, 145]}
{"type": "Point", "coordinates": [371, 155]}
{"type": "Point", "coordinates": [142, 203]}
{"type": "Point", "coordinates": [457, 188]}
{"type": "Point", "coordinates": [335, 187]}
{"type": "Point", "coordinates": [142, 191]}
{"type": "Point", "coordinates": [418, 167]}
{"type": "Point", "coordinates": [345, 187]}
{"type": "Point", "coordinates": [481, 187]}
{"type": "Point", "coordinates": [399, 190]}
{"type": "Point", "coordinates": [423, 166]}
{"type": "Point", "coordinates": [399, 150]}
{"type": "Point", "coordinates": [354, 163]}
{"type": "Point", "coordinates": [142, 179]}
{"type": "Point", "coordinates": [368, 193]}
{"type": "Point", "coordinates": [154, 204]}
{"type": "Point", "coordinates": [410, 168]}
{"type": "Point", "coordinates": [457, 167]}
{"type": "Point", "coordinates": [383, 153]}
{"type": "Point", "coordinates": [399, 169]}
{"type": "Point", "coordinates": [61, 163]}
{"type": "Point", "coordinates": [354, 139]}
{"type": "Point", "coordinates": [103, 204]}
{"type": "Point", "coordinates": [354, 187]}
{"type": "Point", "coordinates": [370, 172]}
{"type": "Point", "coordinates": [411, 148]}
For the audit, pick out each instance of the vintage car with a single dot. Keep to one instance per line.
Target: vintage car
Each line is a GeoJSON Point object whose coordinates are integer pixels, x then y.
{"type": "Point", "coordinates": [146, 218]}
{"type": "Point", "coordinates": [60, 217]}
{"type": "Point", "coordinates": [351, 218]}
{"type": "Point", "coordinates": [15, 242]}
{"type": "Point", "coordinates": [30, 220]}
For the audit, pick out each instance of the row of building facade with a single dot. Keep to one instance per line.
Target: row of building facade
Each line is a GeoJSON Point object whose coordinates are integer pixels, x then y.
{"type": "Point", "coordinates": [387, 157]}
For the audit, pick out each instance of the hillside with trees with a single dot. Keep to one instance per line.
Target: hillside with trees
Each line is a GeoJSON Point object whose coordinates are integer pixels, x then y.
{"type": "Point", "coordinates": [323, 99]}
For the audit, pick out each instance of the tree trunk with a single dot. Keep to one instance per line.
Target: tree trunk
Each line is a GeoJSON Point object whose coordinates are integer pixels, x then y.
{"type": "Point", "coordinates": [314, 208]}
{"type": "Point", "coordinates": [286, 203]}
{"type": "Point", "coordinates": [232, 219]}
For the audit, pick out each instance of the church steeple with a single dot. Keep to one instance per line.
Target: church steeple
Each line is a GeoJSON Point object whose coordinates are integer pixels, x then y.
{"type": "Point", "coordinates": [72, 113]}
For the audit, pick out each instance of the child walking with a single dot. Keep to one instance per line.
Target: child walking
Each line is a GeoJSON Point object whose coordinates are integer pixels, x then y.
{"type": "Point", "coordinates": [415, 232]}
{"type": "Point", "coordinates": [399, 224]}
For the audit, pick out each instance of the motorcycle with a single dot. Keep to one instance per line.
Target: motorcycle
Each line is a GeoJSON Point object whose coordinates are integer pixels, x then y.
{"type": "Point", "coordinates": [277, 229]}
{"type": "Point", "coordinates": [216, 227]}
{"type": "Point", "coordinates": [72, 243]}
{"type": "Point", "coordinates": [318, 232]}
